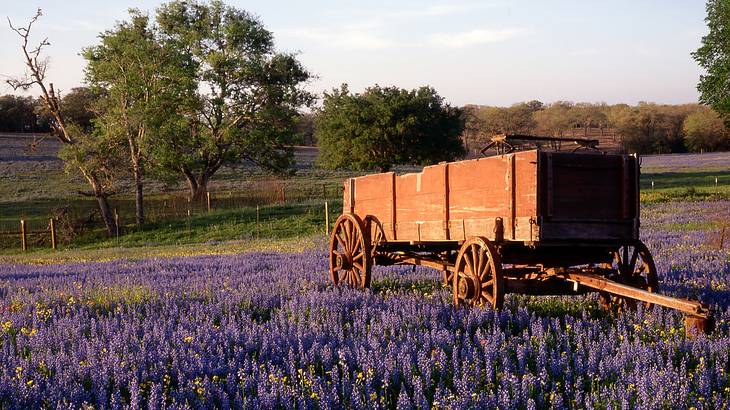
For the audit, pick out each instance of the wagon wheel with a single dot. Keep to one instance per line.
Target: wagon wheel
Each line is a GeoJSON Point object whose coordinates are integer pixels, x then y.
{"type": "Point", "coordinates": [375, 233]}
{"type": "Point", "coordinates": [350, 259]}
{"type": "Point", "coordinates": [477, 278]}
{"type": "Point", "coordinates": [634, 266]}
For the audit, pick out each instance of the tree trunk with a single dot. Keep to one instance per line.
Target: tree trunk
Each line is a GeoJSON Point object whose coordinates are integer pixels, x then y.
{"type": "Point", "coordinates": [138, 194]}
{"type": "Point", "coordinates": [138, 199]}
{"type": "Point", "coordinates": [107, 215]}
{"type": "Point", "coordinates": [200, 194]}
{"type": "Point", "coordinates": [101, 197]}
{"type": "Point", "coordinates": [198, 186]}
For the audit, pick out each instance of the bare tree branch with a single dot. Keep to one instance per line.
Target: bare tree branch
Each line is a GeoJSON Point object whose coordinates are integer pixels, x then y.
{"type": "Point", "coordinates": [36, 75]}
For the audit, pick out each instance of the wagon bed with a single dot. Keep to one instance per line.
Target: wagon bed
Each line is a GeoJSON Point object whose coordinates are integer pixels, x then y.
{"type": "Point", "coordinates": [527, 197]}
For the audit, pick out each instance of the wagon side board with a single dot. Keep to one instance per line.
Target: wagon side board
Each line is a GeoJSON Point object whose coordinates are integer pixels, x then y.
{"type": "Point", "coordinates": [495, 197]}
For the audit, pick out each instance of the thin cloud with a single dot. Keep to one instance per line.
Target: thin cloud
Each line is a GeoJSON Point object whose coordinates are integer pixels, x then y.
{"type": "Point", "coordinates": [475, 37]}
{"type": "Point", "coordinates": [440, 9]}
{"type": "Point", "coordinates": [583, 52]}
{"type": "Point", "coordinates": [437, 10]}
{"type": "Point", "coordinates": [347, 38]}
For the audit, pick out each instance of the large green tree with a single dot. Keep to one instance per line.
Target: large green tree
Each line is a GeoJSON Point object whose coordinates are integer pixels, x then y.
{"type": "Point", "coordinates": [142, 81]}
{"type": "Point", "coordinates": [385, 126]}
{"type": "Point", "coordinates": [247, 99]}
{"type": "Point", "coordinates": [714, 56]}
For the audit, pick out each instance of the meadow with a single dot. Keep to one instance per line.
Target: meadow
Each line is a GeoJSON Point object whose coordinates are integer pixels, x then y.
{"type": "Point", "coordinates": [265, 329]}
{"type": "Point", "coordinates": [255, 323]}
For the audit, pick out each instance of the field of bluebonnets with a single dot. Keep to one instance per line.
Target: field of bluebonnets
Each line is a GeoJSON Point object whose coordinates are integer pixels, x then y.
{"type": "Point", "coordinates": [267, 330]}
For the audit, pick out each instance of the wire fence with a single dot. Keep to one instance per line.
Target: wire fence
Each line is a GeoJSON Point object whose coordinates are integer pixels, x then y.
{"type": "Point", "coordinates": [268, 203]}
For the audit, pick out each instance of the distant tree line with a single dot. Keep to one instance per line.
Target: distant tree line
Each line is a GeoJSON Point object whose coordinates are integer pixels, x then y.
{"type": "Point", "coordinates": [646, 128]}
{"type": "Point", "coordinates": [22, 114]}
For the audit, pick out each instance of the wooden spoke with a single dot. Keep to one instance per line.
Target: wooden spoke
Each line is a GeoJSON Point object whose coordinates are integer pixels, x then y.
{"type": "Point", "coordinates": [340, 240]}
{"type": "Point", "coordinates": [356, 247]}
{"type": "Point", "coordinates": [482, 266]}
{"type": "Point", "coordinates": [348, 235]}
{"type": "Point", "coordinates": [350, 261]}
{"type": "Point", "coordinates": [477, 280]}
{"type": "Point", "coordinates": [637, 270]}
{"type": "Point", "coordinates": [469, 265]}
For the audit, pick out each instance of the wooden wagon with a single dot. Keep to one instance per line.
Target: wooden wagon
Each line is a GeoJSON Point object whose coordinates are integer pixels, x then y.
{"type": "Point", "coordinates": [531, 222]}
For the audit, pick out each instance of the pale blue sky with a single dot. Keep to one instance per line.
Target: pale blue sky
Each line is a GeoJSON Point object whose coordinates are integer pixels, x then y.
{"type": "Point", "coordinates": [494, 52]}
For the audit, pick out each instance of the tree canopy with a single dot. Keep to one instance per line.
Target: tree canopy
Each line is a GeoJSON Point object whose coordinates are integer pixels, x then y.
{"type": "Point", "coordinates": [142, 81]}
{"type": "Point", "coordinates": [714, 56]}
{"type": "Point", "coordinates": [386, 126]}
{"type": "Point", "coordinates": [246, 102]}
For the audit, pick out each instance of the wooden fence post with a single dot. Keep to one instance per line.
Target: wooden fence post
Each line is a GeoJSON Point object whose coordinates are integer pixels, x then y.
{"type": "Point", "coordinates": [190, 232]}
{"type": "Point", "coordinates": [116, 223]}
{"type": "Point", "coordinates": [52, 226]}
{"type": "Point", "coordinates": [23, 243]}
{"type": "Point", "coordinates": [326, 219]}
{"type": "Point", "coordinates": [257, 222]}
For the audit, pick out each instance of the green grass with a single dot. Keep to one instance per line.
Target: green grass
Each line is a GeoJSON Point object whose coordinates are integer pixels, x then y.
{"type": "Point", "coordinates": [685, 194]}
{"type": "Point", "coordinates": [685, 179]}
{"type": "Point", "coordinates": [692, 186]}
{"type": "Point", "coordinates": [274, 222]}
{"type": "Point", "coordinates": [423, 287]}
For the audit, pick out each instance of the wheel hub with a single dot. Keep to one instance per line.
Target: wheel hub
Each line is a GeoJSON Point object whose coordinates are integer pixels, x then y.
{"type": "Point", "coordinates": [468, 287]}
{"type": "Point", "coordinates": [344, 261]}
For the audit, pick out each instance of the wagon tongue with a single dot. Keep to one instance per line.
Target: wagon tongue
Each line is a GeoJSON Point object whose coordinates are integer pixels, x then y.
{"type": "Point", "coordinates": [698, 316]}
